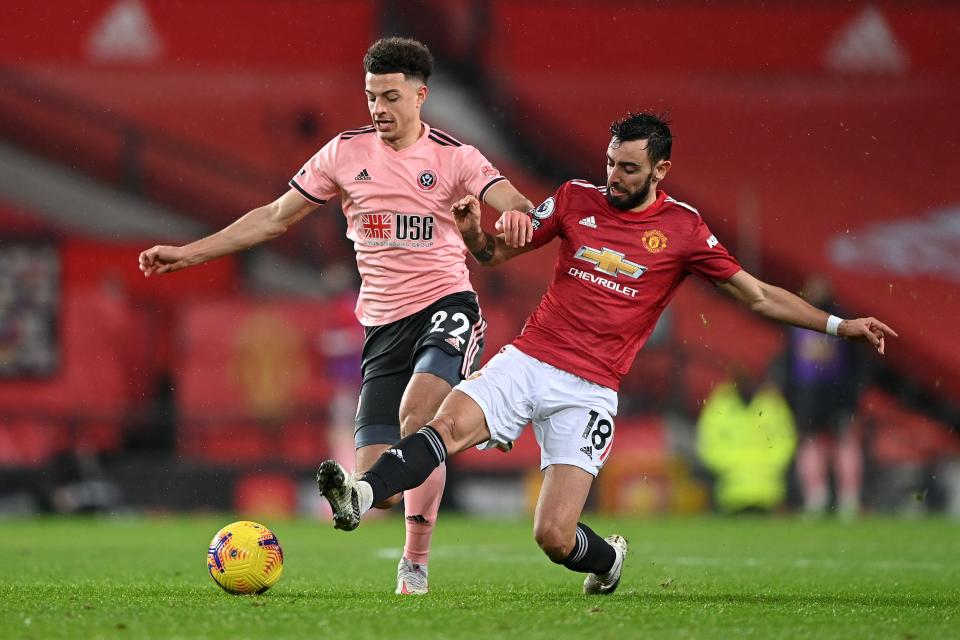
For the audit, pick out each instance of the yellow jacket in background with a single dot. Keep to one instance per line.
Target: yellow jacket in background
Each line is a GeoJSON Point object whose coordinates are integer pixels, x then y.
{"type": "Point", "coordinates": [748, 446]}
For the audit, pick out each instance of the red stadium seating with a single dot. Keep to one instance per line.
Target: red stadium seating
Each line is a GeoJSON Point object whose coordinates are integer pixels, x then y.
{"type": "Point", "coordinates": [253, 381]}
{"type": "Point", "coordinates": [28, 442]}
{"type": "Point", "coordinates": [900, 435]}
{"type": "Point", "coordinates": [213, 120]}
{"type": "Point", "coordinates": [16, 222]}
{"type": "Point", "coordinates": [113, 341]}
{"type": "Point", "coordinates": [777, 150]}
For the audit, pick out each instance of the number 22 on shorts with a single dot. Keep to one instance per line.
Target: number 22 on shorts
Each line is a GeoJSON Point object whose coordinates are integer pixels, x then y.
{"type": "Point", "coordinates": [463, 323]}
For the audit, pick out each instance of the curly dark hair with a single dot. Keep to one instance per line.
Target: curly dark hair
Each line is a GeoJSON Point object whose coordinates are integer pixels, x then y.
{"type": "Point", "coordinates": [655, 129]}
{"type": "Point", "coordinates": [410, 57]}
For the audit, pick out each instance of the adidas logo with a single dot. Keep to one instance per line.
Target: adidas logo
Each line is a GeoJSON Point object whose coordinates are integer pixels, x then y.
{"type": "Point", "coordinates": [454, 342]}
{"type": "Point", "coordinates": [867, 45]}
{"type": "Point", "coordinates": [397, 453]}
{"type": "Point", "coordinates": [125, 32]}
{"type": "Point", "coordinates": [587, 450]}
{"type": "Point", "coordinates": [363, 175]}
{"type": "Point", "coordinates": [589, 221]}
{"type": "Point", "coordinates": [418, 519]}
{"type": "Point", "coordinates": [355, 503]}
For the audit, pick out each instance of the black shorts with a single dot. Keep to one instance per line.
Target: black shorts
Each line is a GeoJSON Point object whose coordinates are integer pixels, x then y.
{"type": "Point", "coordinates": [393, 352]}
{"type": "Point", "coordinates": [822, 409]}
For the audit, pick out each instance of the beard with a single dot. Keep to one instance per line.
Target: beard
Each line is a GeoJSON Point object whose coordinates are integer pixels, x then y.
{"type": "Point", "coordinates": [630, 200]}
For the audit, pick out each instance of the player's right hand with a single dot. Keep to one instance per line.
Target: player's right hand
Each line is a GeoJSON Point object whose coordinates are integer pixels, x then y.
{"type": "Point", "coordinates": [162, 259]}
{"type": "Point", "coordinates": [516, 227]}
{"type": "Point", "coordinates": [867, 329]}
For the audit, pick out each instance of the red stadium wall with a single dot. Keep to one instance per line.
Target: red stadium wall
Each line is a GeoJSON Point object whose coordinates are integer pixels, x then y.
{"type": "Point", "coordinates": [194, 34]}
{"type": "Point", "coordinates": [633, 39]}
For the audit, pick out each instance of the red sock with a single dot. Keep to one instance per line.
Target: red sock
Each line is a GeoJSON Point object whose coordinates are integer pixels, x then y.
{"type": "Point", "coordinates": [420, 506]}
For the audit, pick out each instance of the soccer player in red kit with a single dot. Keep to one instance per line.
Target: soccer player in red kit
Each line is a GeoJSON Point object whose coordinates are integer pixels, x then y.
{"type": "Point", "coordinates": [625, 249]}
{"type": "Point", "coordinates": [396, 178]}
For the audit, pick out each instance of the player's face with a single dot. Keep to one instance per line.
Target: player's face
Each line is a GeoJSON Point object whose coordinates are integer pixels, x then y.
{"type": "Point", "coordinates": [630, 174]}
{"type": "Point", "coordinates": [394, 102]}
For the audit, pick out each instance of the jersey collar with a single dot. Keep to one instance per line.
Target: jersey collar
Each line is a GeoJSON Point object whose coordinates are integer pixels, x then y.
{"type": "Point", "coordinates": [419, 141]}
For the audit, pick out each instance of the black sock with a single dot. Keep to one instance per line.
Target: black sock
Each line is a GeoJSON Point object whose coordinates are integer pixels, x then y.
{"type": "Point", "coordinates": [406, 464]}
{"type": "Point", "coordinates": [591, 553]}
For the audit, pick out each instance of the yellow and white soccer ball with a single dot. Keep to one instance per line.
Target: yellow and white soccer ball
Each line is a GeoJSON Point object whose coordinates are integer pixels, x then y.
{"type": "Point", "coordinates": [245, 557]}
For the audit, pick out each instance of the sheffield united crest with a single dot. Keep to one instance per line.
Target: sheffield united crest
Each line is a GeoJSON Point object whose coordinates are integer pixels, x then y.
{"type": "Point", "coordinates": [427, 180]}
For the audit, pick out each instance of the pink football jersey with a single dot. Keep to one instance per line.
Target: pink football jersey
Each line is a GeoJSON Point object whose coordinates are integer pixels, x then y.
{"type": "Point", "coordinates": [616, 272]}
{"type": "Point", "coordinates": [397, 205]}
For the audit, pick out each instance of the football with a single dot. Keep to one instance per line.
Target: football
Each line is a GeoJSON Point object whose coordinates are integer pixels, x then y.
{"type": "Point", "coordinates": [245, 558]}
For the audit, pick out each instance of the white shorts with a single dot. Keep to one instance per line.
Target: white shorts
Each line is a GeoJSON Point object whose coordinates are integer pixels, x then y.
{"type": "Point", "coordinates": [572, 417]}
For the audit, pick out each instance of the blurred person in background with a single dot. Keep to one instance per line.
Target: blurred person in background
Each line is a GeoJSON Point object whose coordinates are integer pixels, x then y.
{"type": "Point", "coordinates": [397, 179]}
{"type": "Point", "coordinates": [625, 249]}
{"type": "Point", "coordinates": [822, 379]}
{"type": "Point", "coordinates": [746, 438]}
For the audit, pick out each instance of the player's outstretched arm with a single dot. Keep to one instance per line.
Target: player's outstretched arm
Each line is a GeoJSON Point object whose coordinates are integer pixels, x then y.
{"type": "Point", "coordinates": [487, 249]}
{"type": "Point", "coordinates": [781, 305]}
{"type": "Point", "coordinates": [259, 225]}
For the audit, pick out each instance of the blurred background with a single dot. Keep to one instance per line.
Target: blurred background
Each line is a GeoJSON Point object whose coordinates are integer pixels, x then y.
{"type": "Point", "coordinates": [818, 139]}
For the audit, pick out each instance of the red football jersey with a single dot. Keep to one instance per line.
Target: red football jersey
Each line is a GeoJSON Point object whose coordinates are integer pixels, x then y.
{"type": "Point", "coordinates": [616, 271]}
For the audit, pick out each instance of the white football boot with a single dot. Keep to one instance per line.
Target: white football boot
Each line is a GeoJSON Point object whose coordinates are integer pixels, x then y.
{"type": "Point", "coordinates": [411, 578]}
{"type": "Point", "coordinates": [607, 583]}
{"type": "Point", "coordinates": [340, 490]}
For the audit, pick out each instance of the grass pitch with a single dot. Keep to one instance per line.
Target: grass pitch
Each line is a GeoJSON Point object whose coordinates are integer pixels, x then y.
{"type": "Point", "coordinates": [689, 578]}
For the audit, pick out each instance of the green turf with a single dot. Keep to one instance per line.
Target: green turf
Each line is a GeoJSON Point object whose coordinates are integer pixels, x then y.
{"type": "Point", "coordinates": [696, 578]}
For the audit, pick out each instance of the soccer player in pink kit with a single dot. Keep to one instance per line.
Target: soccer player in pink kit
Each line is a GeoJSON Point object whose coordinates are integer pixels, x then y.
{"type": "Point", "coordinates": [398, 180]}
{"type": "Point", "coordinates": [625, 248]}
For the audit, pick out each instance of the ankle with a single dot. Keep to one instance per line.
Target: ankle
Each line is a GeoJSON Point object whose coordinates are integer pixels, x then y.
{"type": "Point", "coordinates": [366, 496]}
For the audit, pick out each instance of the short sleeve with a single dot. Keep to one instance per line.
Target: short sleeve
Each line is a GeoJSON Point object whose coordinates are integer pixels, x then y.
{"type": "Point", "coordinates": [315, 180]}
{"type": "Point", "coordinates": [707, 257]}
{"type": "Point", "coordinates": [546, 218]}
{"type": "Point", "coordinates": [477, 174]}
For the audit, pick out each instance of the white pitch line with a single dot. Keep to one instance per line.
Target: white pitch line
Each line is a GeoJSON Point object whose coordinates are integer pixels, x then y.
{"type": "Point", "coordinates": [495, 554]}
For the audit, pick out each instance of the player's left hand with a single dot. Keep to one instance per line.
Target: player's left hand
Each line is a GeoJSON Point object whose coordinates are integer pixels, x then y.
{"type": "Point", "coordinates": [466, 212]}
{"type": "Point", "coordinates": [868, 329]}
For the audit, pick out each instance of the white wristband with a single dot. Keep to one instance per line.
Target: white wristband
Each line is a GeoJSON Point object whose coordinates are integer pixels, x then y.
{"type": "Point", "coordinates": [833, 323]}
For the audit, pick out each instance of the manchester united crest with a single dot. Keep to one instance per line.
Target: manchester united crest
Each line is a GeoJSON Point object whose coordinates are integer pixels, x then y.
{"type": "Point", "coordinates": [654, 240]}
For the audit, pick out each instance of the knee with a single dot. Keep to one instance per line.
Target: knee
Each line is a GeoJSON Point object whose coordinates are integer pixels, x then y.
{"type": "Point", "coordinates": [554, 540]}
{"type": "Point", "coordinates": [445, 426]}
{"type": "Point", "coordinates": [457, 428]}
{"type": "Point", "coordinates": [411, 421]}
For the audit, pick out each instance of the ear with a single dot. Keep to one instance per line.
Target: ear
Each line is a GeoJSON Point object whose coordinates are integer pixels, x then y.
{"type": "Point", "coordinates": [660, 171]}
{"type": "Point", "coordinates": [422, 92]}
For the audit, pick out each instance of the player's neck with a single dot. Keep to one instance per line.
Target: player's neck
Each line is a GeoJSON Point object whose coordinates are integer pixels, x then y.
{"type": "Point", "coordinates": [648, 202]}
{"type": "Point", "coordinates": [408, 138]}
